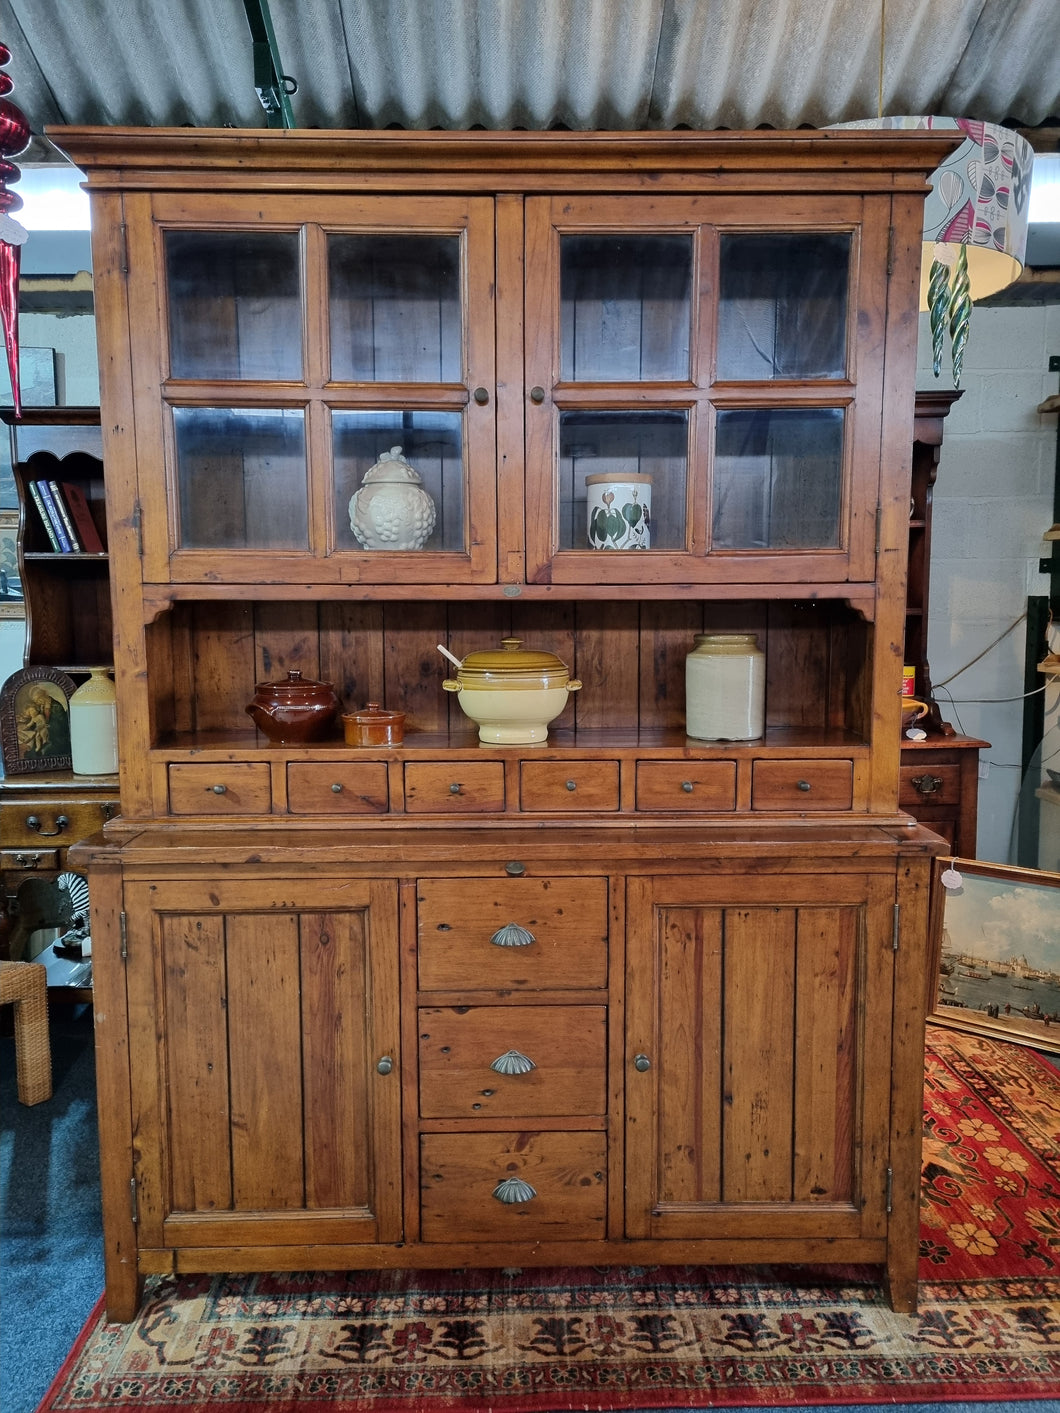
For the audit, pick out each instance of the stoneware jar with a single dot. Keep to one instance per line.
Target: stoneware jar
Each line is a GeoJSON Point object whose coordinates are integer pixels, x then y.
{"type": "Point", "coordinates": [295, 710]}
{"type": "Point", "coordinates": [373, 725]}
{"type": "Point", "coordinates": [618, 510]}
{"type": "Point", "coordinates": [392, 510]}
{"type": "Point", "coordinates": [94, 725]}
{"type": "Point", "coordinates": [725, 688]}
{"type": "Point", "coordinates": [512, 693]}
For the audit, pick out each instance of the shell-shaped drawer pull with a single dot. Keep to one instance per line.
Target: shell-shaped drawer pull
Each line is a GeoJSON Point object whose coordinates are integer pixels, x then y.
{"type": "Point", "coordinates": [514, 1189]}
{"type": "Point", "coordinates": [803, 785]}
{"type": "Point", "coordinates": [512, 935]}
{"type": "Point", "coordinates": [513, 1062]}
{"type": "Point", "coordinates": [219, 789]}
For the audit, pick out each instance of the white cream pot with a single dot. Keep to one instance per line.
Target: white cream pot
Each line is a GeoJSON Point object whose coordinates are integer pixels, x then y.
{"type": "Point", "coordinates": [512, 694]}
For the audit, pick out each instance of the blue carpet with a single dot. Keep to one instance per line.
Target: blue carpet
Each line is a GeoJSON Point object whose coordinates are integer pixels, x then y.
{"type": "Point", "coordinates": [51, 1236]}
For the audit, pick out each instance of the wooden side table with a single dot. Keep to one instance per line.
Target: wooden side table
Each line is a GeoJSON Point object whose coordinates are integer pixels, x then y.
{"type": "Point", "coordinates": [940, 787]}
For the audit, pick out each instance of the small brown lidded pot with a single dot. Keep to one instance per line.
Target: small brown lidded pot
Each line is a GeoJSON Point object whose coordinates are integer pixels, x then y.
{"type": "Point", "coordinates": [373, 725]}
{"type": "Point", "coordinates": [296, 710]}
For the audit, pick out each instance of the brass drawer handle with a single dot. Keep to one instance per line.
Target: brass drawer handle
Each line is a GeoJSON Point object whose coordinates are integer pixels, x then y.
{"type": "Point", "coordinates": [218, 789]}
{"type": "Point", "coordinates": [513, 1062]}
{"type": "Point", "coordinates": [28, 860]}
{"type": "Point", "coordinates": [512, 935]}
{"type": "Point", "coordinates": [33, 822]}
{"type": "Point", "coordinates": [926, 784]}
{"type": "Point", "coordinates": [514, 1189]}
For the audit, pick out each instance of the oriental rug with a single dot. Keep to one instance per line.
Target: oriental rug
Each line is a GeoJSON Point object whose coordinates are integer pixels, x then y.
{"type": "Point", "coordinates": [649, 1338]}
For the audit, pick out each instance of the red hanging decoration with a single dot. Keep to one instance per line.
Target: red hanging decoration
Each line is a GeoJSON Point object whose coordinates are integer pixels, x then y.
{"type": "Point", "coordinates": [14, 138]}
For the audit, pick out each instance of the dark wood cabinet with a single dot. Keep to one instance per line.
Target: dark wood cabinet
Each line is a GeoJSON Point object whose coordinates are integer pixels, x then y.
{"type": "Point", "coordinates": [588, 930]}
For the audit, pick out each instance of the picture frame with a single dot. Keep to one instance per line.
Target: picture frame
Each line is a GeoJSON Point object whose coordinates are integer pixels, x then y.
{"type": "Point", "coordinates": [997, 958]}
{"type": "Point", "coordinates": [35, 721]}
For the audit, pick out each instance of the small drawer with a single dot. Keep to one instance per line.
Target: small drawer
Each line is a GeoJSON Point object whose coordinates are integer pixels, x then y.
{"type": "Point", "coordinates": [465, 787]}
{"type": "Point", "coordinates": [929, 785]}
{"type": "Point", "coordinates": [28, 860]}
{"type": "Point", "coordinates": [243, 788]}
{"type": "Point", "coordinates": [688, 785]}
{"type": "Point", "coordinates": [512, 1062]}
{"type": "Point", "coordinates": [513, 1186]}
{"type": "Point", "coordinates": [53, 822]}
{"type": "Point", "coordinates": [553, 786]}
{"type": "Point", "coordinates": [512, 934]}
{"type": "Point", "coordinates": [341, 788]}
{"type": "Point", "coordinates": [808, 786]}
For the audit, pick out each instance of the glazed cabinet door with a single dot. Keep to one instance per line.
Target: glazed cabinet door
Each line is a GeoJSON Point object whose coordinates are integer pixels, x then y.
{"type": "Point", "coordinates": [265, 1077]}
{"type": "Point", "coordinates": [704, 382]}
{"type": "Point", "coordinates": [758, 1030]}
{"type": "Point", "coordinates": [295, 348]}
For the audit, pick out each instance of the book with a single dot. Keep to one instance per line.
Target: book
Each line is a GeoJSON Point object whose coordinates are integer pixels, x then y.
{"type": "Point", "coordinates": [64, 516]}
{"type": "Point", "coordinates": [42, 511]}
{"type": "Point", "coordinates": [81, 515]}
{"type": "Point", "coordinates": [54, 517]}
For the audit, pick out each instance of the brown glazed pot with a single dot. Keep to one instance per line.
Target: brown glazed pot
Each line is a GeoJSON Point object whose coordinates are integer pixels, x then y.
{"type": "Point", "coordinates": [293, 711]}
{"type": "Point", "coordinates": [373, 725]}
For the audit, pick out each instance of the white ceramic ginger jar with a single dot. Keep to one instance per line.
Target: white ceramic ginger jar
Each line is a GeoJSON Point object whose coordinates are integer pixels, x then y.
{"type": "Point", "coordinates": [391, 510]}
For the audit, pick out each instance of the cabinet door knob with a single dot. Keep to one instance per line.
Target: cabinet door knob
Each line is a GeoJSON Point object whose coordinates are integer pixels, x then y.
{"type": "Point", "coordinates": [572, 785]}
{"type": "Point", "coordinates": [803, 785]}
{"type": "Point", "coordinates": [686, 786]}
{"type": "Point", "coordinates": [537, 394]}
{"type": "Point", "coordinates": [219, 789]}
{"type": "Point", "coordinates": [481, 396]}
{"type": "Point", "coordinates": [385, 1065]}
{"type": "Point", "coordinates": [927, 784]}
{"type": "Point", "coordinates": [514, 1189]}
{"type": "Point", "coordinates": [512, 935]}
{"type": "Point", "coordinates": [641, 1063]}
{"type": "Point", "coordinates": [513, 1062]}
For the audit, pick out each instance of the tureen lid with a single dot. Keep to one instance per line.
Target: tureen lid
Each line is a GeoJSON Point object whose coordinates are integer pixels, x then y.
{"type": "Point", "coordinates": [512, 665]}
{"type": "Point", "coordinates": [392, 466]}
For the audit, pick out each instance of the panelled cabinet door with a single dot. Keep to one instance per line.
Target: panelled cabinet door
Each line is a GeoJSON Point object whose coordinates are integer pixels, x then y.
{"type": "Point", "coordinates": [757, 1083]}
{"type": "Point", "coordinates": [704, 381]}
{"type": "Point", "coordinates": [266, 1093]}
{"type": "Point", "coordinates": [296, 344]}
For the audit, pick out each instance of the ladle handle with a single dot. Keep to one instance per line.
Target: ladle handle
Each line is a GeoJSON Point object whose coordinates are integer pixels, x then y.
{"type": "Point", "coordinates": [446, 653]}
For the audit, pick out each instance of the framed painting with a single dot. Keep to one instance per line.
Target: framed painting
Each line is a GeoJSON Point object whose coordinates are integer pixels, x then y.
{"type": "Point", "coordinates": [35, 720]}
{"type": "Point", "coordinates": [998, 962]}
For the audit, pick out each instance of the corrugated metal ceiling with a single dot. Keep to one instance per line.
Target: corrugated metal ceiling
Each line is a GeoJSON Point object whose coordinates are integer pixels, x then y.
{"type": "Point", "coordinates": [583, 64]}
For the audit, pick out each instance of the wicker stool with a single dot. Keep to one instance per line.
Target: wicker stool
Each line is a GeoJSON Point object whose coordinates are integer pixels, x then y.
{"type": "Point", "coordinates": [26, 985]}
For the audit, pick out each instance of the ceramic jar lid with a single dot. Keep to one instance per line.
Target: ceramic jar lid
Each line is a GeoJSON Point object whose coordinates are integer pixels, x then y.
{"type": "Point", "coordinates": [294, 690]}
{"type": "Point", "coordinates": [512, 666]}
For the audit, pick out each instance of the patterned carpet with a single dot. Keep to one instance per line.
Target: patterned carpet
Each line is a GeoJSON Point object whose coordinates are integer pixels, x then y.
{"type": "Point", "coordinates": [676, 1337]}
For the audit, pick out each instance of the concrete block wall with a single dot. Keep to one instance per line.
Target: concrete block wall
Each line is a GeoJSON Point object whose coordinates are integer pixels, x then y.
{"type": "Point", "coordinates": [993, 501]}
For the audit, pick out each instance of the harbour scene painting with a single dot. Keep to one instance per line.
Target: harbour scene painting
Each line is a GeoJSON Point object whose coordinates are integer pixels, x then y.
{"type": "Point", "coordinates": [999, 960]}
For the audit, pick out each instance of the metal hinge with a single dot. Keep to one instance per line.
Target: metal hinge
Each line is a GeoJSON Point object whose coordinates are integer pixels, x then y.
{"type": "Point", "coordinates": [134, 1206]}
{"type": "Point", "coordinates": [890, 1190]}
{"type": "Point", "coordinates": [123, 234]}
{"type": "Point", "coordinates": [879, 514]}
{"type": "Point", "coordinates": [123, 927]}
{"type": "Point", "coordinates": [137, 524]}
{"type": "Point", "coordinates": [896, 926]}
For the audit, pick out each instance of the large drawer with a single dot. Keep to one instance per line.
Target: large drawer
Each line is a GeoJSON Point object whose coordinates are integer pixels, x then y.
{"type": "Point", "coordinates": [341, 788]}
{"type": "Point", "coordinates": [240, 788]}
{"type": "Point", "coordinates": [553, 786]}
{"type": "Point", "coordinates": [512, 1062]}
{"type": "Point", "coordinates": [466, 1177]}
{"type": "Point", "coordinates": [807, 786]}
{"type": "Point", "coordinates": [686, 785]}
{"type": "Point", "coordinates": [465, 787]}
{"type": "Point", "coordinates": [526, 934]}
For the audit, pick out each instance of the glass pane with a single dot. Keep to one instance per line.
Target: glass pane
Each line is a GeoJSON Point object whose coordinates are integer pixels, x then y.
{"type": "Point", "coordinates": [777, 479]}
{"type": "Point", "coordinates": [625, 308]}
{"type": "Point", "coordinates": [621, 446]}
{"type": "Point", "coordinates": [395, 309]}
{"type": "Point", "coordinates": [782, 311]}
{"type": "Point", "coordinates": [398, 512]}
{"type": "Point", "coordinates": [234, 304]}
{"type": "Point", "coordinates": [242, 478]}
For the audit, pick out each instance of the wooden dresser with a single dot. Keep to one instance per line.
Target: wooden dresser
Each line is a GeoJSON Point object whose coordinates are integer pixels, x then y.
{"type": "Point", "coordinates": [621, 997]}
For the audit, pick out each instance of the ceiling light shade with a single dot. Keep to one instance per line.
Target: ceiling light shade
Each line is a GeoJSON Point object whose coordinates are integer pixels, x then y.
{"type": "Point", "coordinates": [975, 222]}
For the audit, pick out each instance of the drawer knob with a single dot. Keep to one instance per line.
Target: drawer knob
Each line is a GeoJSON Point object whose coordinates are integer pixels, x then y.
{"type": "Point", "coordinates": [537, 394]}
{"type": "Point", "coordinates": [641, 1063]}
{"type": "Point", "coordinates": [455, 788]}
{"type": "Point", "coordinates": [927, 784]}
{"type": "Point", "coordinates": [803, 785]}
{"type": "Point", "coordinates": [33, 822]}
{"type": "Point", "coordinates": [336, 789]}
{"type": "Point", "coordinates": [514, 1189]}
{"type": "Point", "coordinates": [219, 789]}
{"type": "Point", "coordinates": [513, 1062]}
{"type": "Point", "coordinates": [572, 785]}
{"type": "Point", "coordinates": [481, 396]}
{"type": "Point", "coordinates": [512, 935]}
{"type": "Point", "coordinates": [515, 868]}
{"type": "Point", "coordinates": [385, 1065]}
{"type": "Point", "coordinates": [686, 786]}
